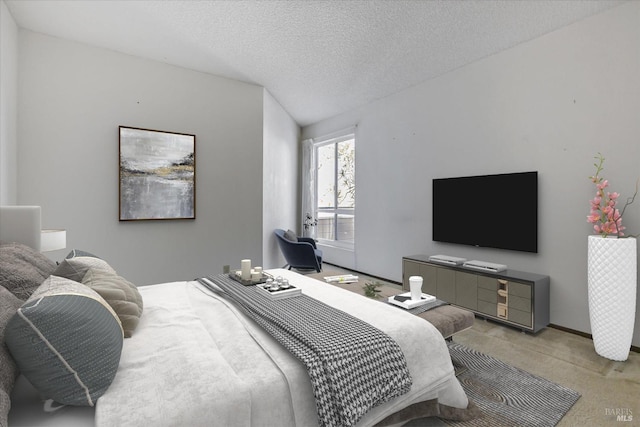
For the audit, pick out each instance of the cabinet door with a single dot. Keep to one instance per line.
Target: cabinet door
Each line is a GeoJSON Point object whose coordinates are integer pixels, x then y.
{"type": "Point", "coordinates": [467, 290]}
{"type": "Point", "coordinates": [520, 290]}
{"type": "Point", "coordinates": [409, 268]}
{"type": "Point", "coordinates": [427, 272]}
{"type": "Point", "coordinates": [488, 283]}
{"type": "Point", "coordinates": [488, 308]}
{"type": "Point", "coordinates": [429, 275]}
{"type": "Point", "coordinates": [521, 317]}
{"type": "Point", "coordinates": [446, 285]}
{"type": "Point", "coordinates": [520, 303]}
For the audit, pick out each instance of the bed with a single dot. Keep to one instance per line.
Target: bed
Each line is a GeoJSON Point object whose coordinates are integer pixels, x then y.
{"type": "Point", "coordinates": [194, 357]}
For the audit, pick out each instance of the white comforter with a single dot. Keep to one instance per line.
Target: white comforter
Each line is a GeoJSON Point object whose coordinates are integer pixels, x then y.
{"type": "Point", "coordinates": [196, 360]}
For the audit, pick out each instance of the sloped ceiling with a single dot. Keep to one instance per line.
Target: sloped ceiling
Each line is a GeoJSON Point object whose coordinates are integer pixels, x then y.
{"type": "Point", "coordinates": [317, 58]}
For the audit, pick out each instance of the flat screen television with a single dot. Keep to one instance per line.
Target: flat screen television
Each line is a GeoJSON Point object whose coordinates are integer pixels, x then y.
{"type": "Point", "coordinates": [494, 211]}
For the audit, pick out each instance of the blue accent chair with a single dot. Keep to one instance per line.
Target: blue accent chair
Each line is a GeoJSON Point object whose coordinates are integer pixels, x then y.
{"type": "Point", "coordinates": [301, 254]}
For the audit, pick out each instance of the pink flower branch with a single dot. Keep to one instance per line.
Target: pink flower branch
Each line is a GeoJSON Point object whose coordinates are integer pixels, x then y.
{"type": "Point", "coordinates": [604, 215]}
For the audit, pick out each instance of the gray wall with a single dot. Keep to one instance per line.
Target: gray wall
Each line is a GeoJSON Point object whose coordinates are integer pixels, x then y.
{"type": "Point", "coordinates": [280, 183]}
{"type": "Point", "coordinates": [8, 107]}
{"type": "Point", "coordinates": [71, 100]}
{"type": "Point", "coordinates": [548, 105]}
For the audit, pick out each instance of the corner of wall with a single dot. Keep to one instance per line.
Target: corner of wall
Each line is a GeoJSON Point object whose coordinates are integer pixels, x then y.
{"type": "Point", "coordinates": [8, 106]}
{"type": "Point", "coordinates": [280, 177]}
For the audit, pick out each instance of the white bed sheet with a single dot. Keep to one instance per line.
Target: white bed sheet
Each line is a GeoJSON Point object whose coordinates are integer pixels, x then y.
{"type": "Point", "coordinates": [196, 360]}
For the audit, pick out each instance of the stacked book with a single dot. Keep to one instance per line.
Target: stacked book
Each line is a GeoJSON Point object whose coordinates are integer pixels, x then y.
{"type": "Point", "coordinates": [343, 278]}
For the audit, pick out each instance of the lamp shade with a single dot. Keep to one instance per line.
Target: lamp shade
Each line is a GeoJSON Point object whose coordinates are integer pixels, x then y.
{"type": "Point", "coordinates": [52, 240]}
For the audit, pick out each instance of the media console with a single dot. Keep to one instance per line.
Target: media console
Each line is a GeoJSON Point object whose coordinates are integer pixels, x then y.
{"type": "Point", "coordinates": [516, 298]}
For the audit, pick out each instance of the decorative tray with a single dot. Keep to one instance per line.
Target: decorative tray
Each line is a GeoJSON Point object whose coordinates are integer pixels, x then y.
{"type": "Point", "coordinates": [405, 301]}
{"type": "Point", "coordinates": [251, 282]}
{"type": "Point", "coordinates": [279, 293]}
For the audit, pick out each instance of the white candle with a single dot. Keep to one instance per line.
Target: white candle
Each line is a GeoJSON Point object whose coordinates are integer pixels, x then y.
{"type": "Point", "coordinates": [246, 269]}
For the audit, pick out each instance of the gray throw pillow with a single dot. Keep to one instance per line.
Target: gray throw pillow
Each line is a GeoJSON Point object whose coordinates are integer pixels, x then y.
{"type": "Point", "coordinates": [291, 235]}
{"type": "Point", "coordinates": [67, 341]}
{"type": "Point", "coordinates": [9, 304]}
{"type": "Point", "coordinates": [23, 269]}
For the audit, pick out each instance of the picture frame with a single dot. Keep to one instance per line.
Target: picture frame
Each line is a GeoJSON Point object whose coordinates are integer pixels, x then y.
{"type": "Point", "coordinates": [157, 175]}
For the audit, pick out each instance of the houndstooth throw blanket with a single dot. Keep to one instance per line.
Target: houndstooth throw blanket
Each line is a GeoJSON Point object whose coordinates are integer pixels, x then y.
{"type": "Point", "coordinates": [352, 365]}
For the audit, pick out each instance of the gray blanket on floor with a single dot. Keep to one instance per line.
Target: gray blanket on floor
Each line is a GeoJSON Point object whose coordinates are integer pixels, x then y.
{"type": "Point", "coordinates": [352, 365]}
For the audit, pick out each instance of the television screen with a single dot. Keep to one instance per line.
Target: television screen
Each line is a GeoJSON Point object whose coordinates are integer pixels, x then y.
{"type": "Point", "coordinates": [493, 211]}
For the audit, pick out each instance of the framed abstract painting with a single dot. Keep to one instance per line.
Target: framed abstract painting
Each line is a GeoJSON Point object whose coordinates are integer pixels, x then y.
{"type": "Point", "coordinates": [157, 174]}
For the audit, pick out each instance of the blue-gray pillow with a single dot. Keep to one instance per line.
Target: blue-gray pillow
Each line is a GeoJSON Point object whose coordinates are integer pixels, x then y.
{"type": "Point", "coordinates": [77, 252]}
{"type": "Point", "coordinates": [67, 341]}
{"type": "Point", "coordinates": [76, 267]}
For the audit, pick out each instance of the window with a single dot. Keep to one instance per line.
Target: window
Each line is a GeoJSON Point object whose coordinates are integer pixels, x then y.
{"type": "Point", "coordinates": [336, 190]}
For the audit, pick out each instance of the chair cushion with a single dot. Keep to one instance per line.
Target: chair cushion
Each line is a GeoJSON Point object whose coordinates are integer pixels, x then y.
{"type": "Point", "coordinates": [291, 236]}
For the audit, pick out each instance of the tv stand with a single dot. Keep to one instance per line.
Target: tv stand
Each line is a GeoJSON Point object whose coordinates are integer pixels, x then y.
{"type": "Point", "coordinates": [516, 298]}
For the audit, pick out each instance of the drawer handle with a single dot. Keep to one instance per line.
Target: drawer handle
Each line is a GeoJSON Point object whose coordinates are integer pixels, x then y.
{"type": "Point", "coordinates": [502, 311]}
{"type": "Point", "coordinates": [502, 292]}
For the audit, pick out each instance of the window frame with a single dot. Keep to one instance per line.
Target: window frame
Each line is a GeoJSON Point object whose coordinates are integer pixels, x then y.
{"type": "Point", "coordinates": [336, 211]}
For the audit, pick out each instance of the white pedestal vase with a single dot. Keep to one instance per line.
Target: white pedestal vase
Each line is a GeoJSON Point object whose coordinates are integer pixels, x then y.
{"type": "Point", "coordinates": [309, 232]}
{"type": "Point", "coordinates": [612, 284]}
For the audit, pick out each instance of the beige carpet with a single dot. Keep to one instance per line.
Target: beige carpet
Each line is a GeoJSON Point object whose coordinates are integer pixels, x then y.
{"type": "Point", "coordinates": [607, 387]}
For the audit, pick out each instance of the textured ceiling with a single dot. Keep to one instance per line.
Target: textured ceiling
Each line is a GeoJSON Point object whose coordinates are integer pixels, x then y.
{"type": "Point", "coordinates": [317, 58]}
